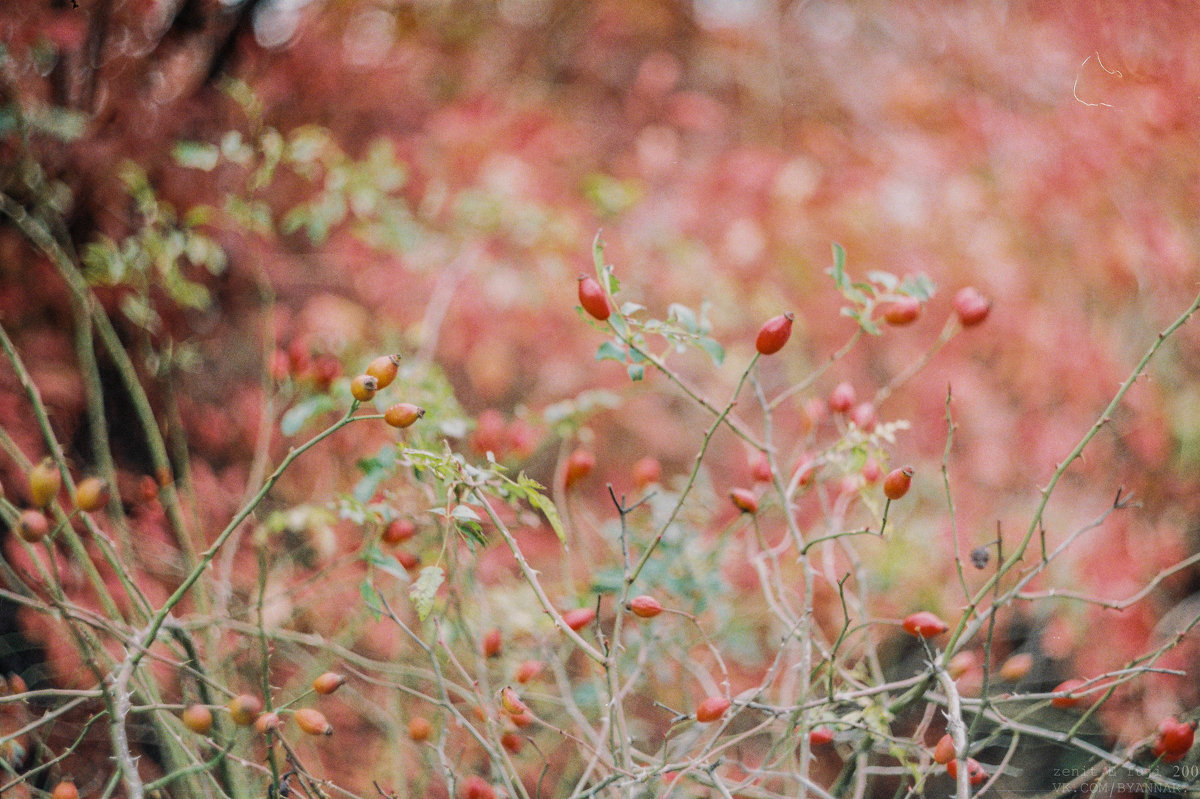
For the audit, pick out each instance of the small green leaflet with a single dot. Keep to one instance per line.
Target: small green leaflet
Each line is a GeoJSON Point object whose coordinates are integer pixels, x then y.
{"type": "Point", "coordinates": [885, 279]}
{"type": "Point", "coordinates": [467, 522]}
{"type": "Point", "coordinates": [385, 563]}
{"type": "Point", "coordinates": [864, 321]}
{"type": "Point", "coordinates": [604, 273]}
{"type": "Point", "coordinates": [369, 595]}
{"type": "Point", "coordinates": [299, 414]}
{"type": "Point", "coordinates": [425, 588]}
{"type": "Point", "coordinates": [838, 270]}
{"type": "Point", "coordinates": [196, 155]}
{"type": "Point", "coordinates": [532, 489]}
{"type": "Point", "coordinates": [684, 316]}
{"type": "Point", "coordinates": [714, 350]}
{"type": "Point", "coordinates": [609, 351]}
{"type": "Point", "coordinates": [375, 470]}
{"type": "Point", "coordinates": [598, 253]}
{"type": "Point", "coordinates": [919, 286]}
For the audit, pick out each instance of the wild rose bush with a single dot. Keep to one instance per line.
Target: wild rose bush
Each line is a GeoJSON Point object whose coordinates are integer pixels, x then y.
{"type": "Point", "coordinates": [266, 528]}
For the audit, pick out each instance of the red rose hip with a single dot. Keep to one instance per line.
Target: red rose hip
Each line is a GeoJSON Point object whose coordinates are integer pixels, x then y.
{"type": "Point", "coordinates": [403, 414]}
{"type": "Point", "coordinates": [842, 398]}
{"type": "Point", "coordinates": [971, 306]}
{"type": "Point", "coordinates": [1066, 687]}
{"type": "Point", "coordinates": [819, 736]}
{"type": "Point", "coordinates": [711, 709]}
{"type": "Point", "coordinates": [398, 531]}
{"type": "Point", "coordinates": [384, 369]}
{"type": "Point", "coordinates": [646, 472]}
{"type": "Point", "coordinates": [528, 670]}
{"type": "Point", "coordinates": [579, 618]}
{"type": "Point", "coordinates": [943, 753]}
{"type": "Point", "coordinates": [328, 682]}
{"type": "Point", "coordinates": [924, 624]}
{"type": "Point", "coordinates": [744, 500]}
{"type": "Point", "coordinates": [896, 484]}
{"type": "Point", "coordinates": [91, 494]}
{"type": "Point", "coordinates": [1174, 740]}
{"type": "Point", "coordinates": [363, 387]}
{"type": "Point", "coordinates": [774, 333]}
{"type": "Point", "coordinates": [902, 311]}
{"type": "Point", "coordinates": [493, 643]}
{"type": "Point", "coordinates": [32, 526]}
{"type": "Point", "coordinates": [419, 728]}
{"type": "Point", "coordinates": [646, 607]}
{"type": "Point", "coordinates": [593, 299]}
{"type": "Point", "coordinates": [579, 465]}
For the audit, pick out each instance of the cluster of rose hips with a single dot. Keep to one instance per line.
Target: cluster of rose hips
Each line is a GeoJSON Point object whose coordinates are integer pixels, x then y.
{"type": "Point", "coordinates": [45, 481]}
{"type": "Point", "coordinates": [379, 375]}
{"type": "Point", "coordinates": [970, 306]}
{"type": "Point", "coordinates": [246, 710]}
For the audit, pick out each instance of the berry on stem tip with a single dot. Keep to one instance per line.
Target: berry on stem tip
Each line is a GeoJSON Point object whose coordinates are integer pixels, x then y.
{"type": "Point", "coordinates": [593, 299]}
{"type": "Point", "coordinates": [712, 709]}
{"type": "Point", "coordinates": [744, 500]}
{"type": "Point", "coordinates": [384, 369]}
{"type": "Point", "coordinates": [971, 306]}
{"type": "Point", "coordinates": [403, 415]}
{"type": "Point", "coordinates": [924, 624]}
{"type": "Point", "coordinates": [774, 333]}
{"type": "Point", "coordinates": [896, 484]}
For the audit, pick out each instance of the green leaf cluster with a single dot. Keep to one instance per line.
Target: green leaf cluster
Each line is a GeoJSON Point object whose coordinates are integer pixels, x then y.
{"type": "Point", "coordinates": [865, 296]}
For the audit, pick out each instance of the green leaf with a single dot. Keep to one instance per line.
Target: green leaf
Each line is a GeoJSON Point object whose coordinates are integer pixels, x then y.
{"type": "Point", "coordinates": [838, 270]}
{"type": "Point", "coordinates": [64, 124]}
{"type": "Point", "coordinates": [918, 286]}
{"type": "Point", "coordinates": [609, 278]}
{"type": "Point", "coordinates": [365, 488]}
{"type": "Point", "coordinates": [863, 321]}
{"type": "Point", "coordinates": [598, 255]}
{"type": "Point", "coordinates": [472, 531]}
{"type": "Point", "coordinates": [467, 522]}
{"type": "Point", "coordinates": [425, 588]}
{"type": "Point", "coordinates": [306, 144]}
{"type": "Point", "coordinates": [370, 598]}
{"type": "Point", "coordinates": [607, 581]}
{"type": "Point", "coordinates": [610, 351]}
{"type": "Point", "coordinates": [858, 457]}
{"type": "Point", "coordinates": [636, 371]}
{"type": "Point", "coordinates": [385, 563]}
{"type": "Point", "coordinates": [885, 279]}
{"type": "Point", "coordinates": [138, 311]}
{"type": "Point", "coordinates": [197, 215]}
{"type": "Point", "coordinates": [196, 155]}
{"type": "Point", "coordinates": [684, 316]}
{"type": "Point", "coordinates": [542, 502]}
{"type": "Point", "coordinates": [299, 414]}
{"type": "Point", "coordinates": [714, 350]}
{"type": "Point", "coordinates": [464, 513]}
{"type": "Point", "coordinates": [611, 195]}
{"type": "Point", "coordinates": [630, 308]}
{"type": "Point", "coordinates": [864, 290]}
{"type": "Point", "coordinates": [294, 219]}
